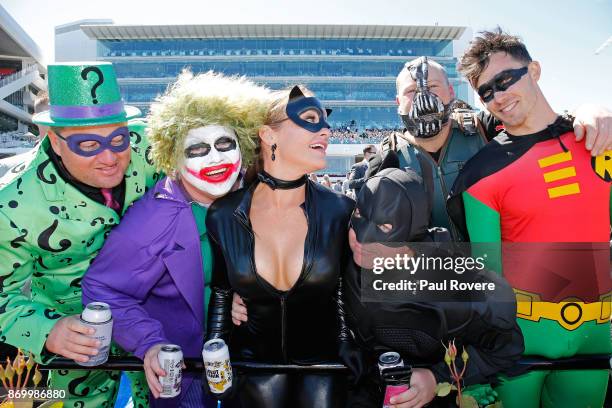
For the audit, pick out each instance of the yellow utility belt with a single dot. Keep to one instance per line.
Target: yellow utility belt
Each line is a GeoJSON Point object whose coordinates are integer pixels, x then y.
{"type": "Point", "coordinates": [569, 314]}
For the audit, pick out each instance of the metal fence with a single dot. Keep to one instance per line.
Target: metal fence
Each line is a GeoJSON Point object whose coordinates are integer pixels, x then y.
{"type": "Point", "coordinates": [589, 362]}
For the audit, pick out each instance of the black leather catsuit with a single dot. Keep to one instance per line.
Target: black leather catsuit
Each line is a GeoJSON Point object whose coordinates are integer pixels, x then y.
{"type": "Point", "coordinates": [298, 326]}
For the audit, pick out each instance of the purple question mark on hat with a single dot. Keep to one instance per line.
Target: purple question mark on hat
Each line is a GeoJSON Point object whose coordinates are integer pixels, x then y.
{"type": "Point", "coordinates": [97, 70]}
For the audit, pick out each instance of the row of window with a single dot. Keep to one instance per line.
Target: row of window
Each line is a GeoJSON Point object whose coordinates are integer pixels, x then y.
{"type": "Point", "coordinates": [325, 91]}
{"type": "Point", "coordinates": [247, 53]}
{"type": "Point", "coordinates": [388, 69]}
{"type": "Point", "coordinates": [339, 91]}
{"type": "Point", "coordinates": [247, 47]}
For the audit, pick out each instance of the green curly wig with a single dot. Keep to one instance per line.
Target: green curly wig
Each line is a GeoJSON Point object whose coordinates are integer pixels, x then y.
{"type": "Point", "coordinates": [202, 100]}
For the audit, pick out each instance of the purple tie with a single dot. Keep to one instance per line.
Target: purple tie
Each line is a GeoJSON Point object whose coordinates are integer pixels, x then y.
{"type": "Point", "coordinates": [109, 201]}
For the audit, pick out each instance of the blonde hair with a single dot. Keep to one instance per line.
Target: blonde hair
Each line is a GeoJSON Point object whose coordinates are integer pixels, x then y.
{"type": "Point", "coordinates": [201, 100]}
{"type": "Point", "coordinates": [277, 113]}
{"type": "Point", "coordinates": [278, 107]}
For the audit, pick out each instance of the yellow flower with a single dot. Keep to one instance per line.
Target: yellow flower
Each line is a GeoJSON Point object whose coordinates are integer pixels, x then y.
{"type": "Point", "coordinates": [464, 356]}
{"type": "Point", "coordinates": [9, 372]}
{"type": "Point", "coordinates": [30, 362]}
{"type": "Point", "coordinates": [447, 359]}
{"type": "Point", "coordinates": [37, 377]}
{"type": "Point", "coordinates": [20, 366]}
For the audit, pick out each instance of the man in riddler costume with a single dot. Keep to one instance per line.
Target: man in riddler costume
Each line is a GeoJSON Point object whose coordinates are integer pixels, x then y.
{"type": "Point", "coordinates": [536, 190]}
{"type": "Point", "coordinates": [155, 268]}
{"type": "Point", "coordinates": [56, 210]}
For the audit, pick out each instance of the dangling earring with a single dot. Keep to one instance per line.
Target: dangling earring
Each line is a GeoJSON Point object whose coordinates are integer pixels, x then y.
{"type": "Point", "coordinates": [273, 150]}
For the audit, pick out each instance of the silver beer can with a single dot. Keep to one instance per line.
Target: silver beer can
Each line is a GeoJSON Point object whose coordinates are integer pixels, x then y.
{"type": "Point", "coordinates": [170, 359]}
{"type": "Point", "coordinates": [98, 316]}
{"type": "Point", "coordinates": [218, 366]}
{"type": "Point", "coordinates": [389, 359]}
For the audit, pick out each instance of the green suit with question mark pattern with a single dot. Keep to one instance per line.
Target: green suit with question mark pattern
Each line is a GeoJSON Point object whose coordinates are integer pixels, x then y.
{"type": "Point", "coordinates": [50, 232]}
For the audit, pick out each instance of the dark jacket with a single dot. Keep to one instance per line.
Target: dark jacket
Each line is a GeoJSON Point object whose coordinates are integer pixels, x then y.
{"type": "Point", "coordinates": [417, 328]}
{"type": "Point", "coordinates": [300, 325]}
{"type": "Point", "coordinates": [357, 177]}
{"type": "Point", "coordinates": [458, 149]}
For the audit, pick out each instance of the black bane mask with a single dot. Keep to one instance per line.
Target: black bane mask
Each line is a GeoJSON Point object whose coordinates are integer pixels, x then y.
{"type": "Point", "coordinates": [392, 207]}
{"type": "Point", "coordinates": [428, 113]}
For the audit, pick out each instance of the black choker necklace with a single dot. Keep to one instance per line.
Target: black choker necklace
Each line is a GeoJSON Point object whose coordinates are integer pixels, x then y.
{"type": "Point", "coordinates": [275, 183]}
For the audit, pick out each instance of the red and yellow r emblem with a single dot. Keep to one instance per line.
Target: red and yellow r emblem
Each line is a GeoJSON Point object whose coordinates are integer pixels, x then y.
{"type": "Point", "coordinates": [602, 165]}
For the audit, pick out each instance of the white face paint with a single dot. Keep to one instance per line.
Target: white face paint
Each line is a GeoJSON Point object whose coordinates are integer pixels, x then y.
{"type": "Point", "coordinates": [212, 159]}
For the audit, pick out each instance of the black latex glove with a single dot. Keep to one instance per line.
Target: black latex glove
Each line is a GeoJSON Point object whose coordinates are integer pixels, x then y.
{"type": "Point", "coordinates": [353, 358]}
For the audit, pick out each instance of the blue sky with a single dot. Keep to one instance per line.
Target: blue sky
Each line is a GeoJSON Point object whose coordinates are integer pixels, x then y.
{"type": "Point", "coordinates": [563, 35]}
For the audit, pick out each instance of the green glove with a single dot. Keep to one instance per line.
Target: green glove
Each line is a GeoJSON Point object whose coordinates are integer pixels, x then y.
{"type": "Point", "coordinates": [482, 393]}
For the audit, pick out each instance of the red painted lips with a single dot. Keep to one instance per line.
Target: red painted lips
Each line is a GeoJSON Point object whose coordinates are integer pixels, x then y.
{"type": "Point", "coordinates": [216, 174]}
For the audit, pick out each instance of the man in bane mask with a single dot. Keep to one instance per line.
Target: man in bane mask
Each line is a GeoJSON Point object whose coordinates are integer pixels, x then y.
{"type": "Point", "coordinates": [428, 113]}
{"type": "Point", "coordinates": [438, 138]}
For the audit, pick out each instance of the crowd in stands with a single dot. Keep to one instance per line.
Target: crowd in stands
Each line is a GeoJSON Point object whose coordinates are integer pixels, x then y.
{"type": "Point", "coordinates": [367, 136]}
{"type": "Point", "coordinates": [339, 184]}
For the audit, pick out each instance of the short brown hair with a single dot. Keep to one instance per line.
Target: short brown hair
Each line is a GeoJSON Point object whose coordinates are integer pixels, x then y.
{"type": "Point", "coordinates": [476, 58]}
{"type": "Point", "coordinates": [369, 148]}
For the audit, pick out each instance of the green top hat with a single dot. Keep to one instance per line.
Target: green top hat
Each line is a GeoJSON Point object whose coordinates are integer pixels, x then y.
{"type": "Point", "coordinates": [84, 94]}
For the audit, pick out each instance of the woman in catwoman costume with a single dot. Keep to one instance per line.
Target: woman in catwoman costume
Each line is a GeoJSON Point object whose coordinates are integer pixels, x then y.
{"type": "Point", "coordinates": [284, 242]}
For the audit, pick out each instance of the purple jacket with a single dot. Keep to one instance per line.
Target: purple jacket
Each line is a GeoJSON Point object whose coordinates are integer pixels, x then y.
{"type": "Point", "coordinates": [150, 273]}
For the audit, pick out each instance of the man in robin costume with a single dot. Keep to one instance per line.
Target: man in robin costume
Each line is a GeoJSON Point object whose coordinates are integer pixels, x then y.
{"type": "Point", "coordinates": [535, 189]}
{"type": "Point", "coordinates": [56, 210]}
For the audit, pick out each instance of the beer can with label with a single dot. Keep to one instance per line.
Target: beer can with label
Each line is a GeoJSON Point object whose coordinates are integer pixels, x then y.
{"type": "Point", "coordinates": [98, 316]}
{"type": "Point", "coordinates": [218, 367]}
{"type": "Point", "coordinates": [170, 359]}
{"type": "Point", "coordinates": [389, 360]}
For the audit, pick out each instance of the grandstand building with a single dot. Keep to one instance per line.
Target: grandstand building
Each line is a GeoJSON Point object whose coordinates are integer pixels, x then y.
{"type": "Point", "coordinates": [352, 68]}
{"type": "Point", "coordinates": [22, 70]}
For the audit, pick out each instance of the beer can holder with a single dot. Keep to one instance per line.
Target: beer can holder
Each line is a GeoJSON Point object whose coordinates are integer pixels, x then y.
{"type": "Point", "coordinates": [396, 375]}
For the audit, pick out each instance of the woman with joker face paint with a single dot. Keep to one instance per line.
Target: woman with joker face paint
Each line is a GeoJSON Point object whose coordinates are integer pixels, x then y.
{"type": "Point", "coordinates": [155, 268]}
{"type": "Point", "coordinates": [284, 241]}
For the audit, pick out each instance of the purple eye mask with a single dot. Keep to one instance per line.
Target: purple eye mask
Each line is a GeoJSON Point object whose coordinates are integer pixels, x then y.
{"type": "Point", "coordinates": [104, 142]}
